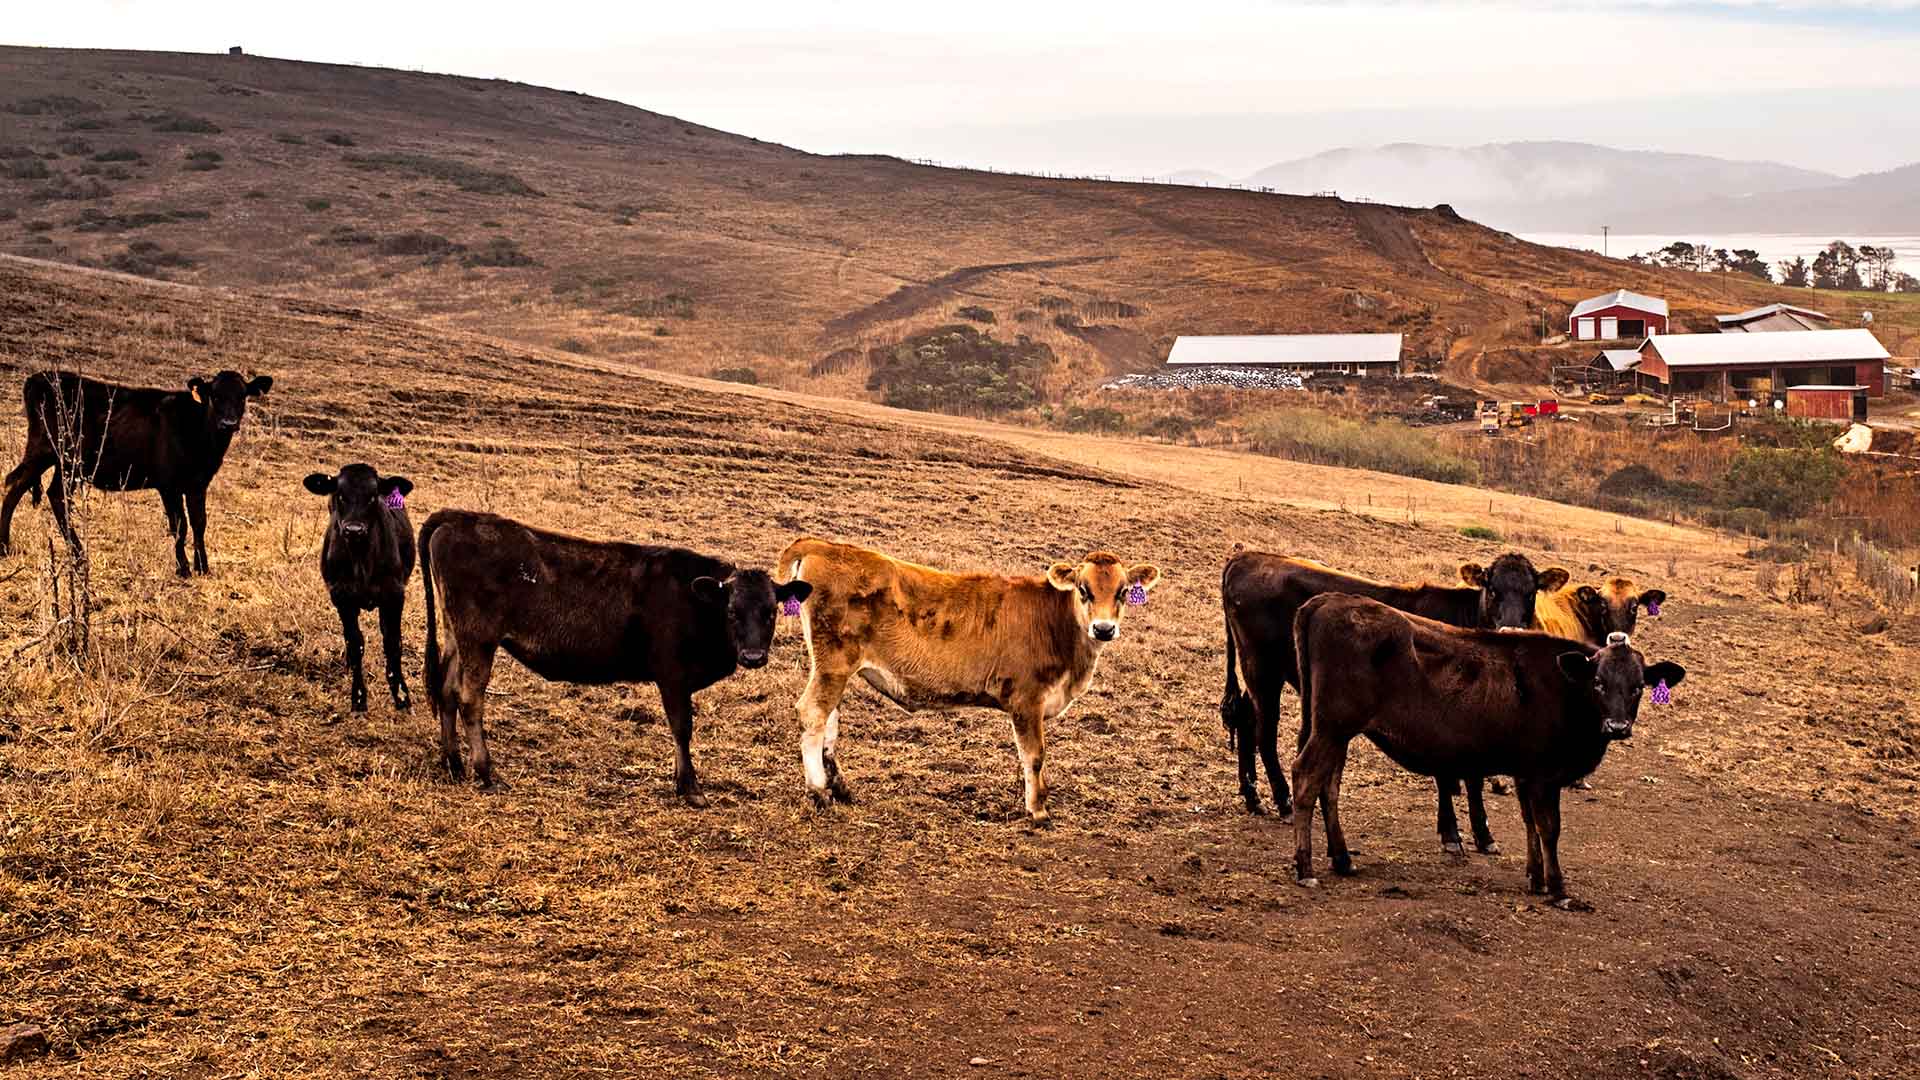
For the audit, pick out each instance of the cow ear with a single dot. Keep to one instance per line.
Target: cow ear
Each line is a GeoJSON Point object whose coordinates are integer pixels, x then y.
{"type": "Point", "coordinates": [1060, 575]}
{"type": "Point", "coordinates": [1473, 574]}
{"type": "Point", "coordinates": [1575, 666]}
{"type": "Point", "coordinates": [1666, 671]}
{"type": "Point", "coordinates": [793, 590]}
{"type": "Point", "coordinates": [1587, 594]}
{"type": "Point", "coordinates": [1145, 575]}
{"type": "Point", "coordinates": [195, 386]}
{"type": "Point", "coordinates": [1652, 598]}
{"type": "Point", "coordinates": [708, 591]}
{"type": "Point", "coordinates": [319, 483]}
{"type": "Point", "coordinates": [391, 484]}
{"type": "Point", "coordinates": [259, 386]}
{"type": "Point", "coordinates": [1553, 578]}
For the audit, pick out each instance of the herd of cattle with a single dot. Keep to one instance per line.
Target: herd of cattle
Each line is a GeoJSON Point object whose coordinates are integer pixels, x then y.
{"type": "Point", "coordinates": [1511, 672]}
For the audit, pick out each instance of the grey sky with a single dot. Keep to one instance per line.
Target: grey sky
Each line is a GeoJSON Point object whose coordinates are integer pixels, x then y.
{"type": "Point", "coordinates": [1137, 88]}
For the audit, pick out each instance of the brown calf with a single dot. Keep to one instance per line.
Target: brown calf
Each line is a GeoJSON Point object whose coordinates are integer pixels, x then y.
{"type": "Point", "coordinates": [924, 637]}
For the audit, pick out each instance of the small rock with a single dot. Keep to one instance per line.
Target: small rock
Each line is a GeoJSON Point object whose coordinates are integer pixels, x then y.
{"type": "Point", "coordinates": [20, 1042]}
{"type": "Point", "coordinates": [979, 1061]}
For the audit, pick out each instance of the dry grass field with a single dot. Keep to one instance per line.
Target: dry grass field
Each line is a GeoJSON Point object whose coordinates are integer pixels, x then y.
{"type": "Point", "coordinates": [209, 868]}
{"type": "Point", "coordinates": [561, 220]}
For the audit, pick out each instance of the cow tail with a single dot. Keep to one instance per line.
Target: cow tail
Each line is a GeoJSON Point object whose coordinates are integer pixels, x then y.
{"type": "Point", "coordinates": [787, 567]}
{"type": "Point", "coordinates": [434, 674]}
{"type": "Point", "coordinates": [1236, 708]}
{"type": "Point", "coordinates": [1302, 633]}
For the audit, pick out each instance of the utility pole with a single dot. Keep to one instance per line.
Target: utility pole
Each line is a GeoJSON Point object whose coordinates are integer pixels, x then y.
{"type": "Point", "coordinates": [1604, 229]}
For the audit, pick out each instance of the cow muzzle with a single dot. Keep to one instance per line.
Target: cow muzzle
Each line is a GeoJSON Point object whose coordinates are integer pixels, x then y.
{"type": "Point", "coordinates": [753, 658]}
{"type": "Point", "coordinates": [1104, 630]}
{"type": "Point", "coordinates": [1617, 729]}
{"type": "Point", "coordinates": [227, 424]}
{"type": "Point", "coordinates": [353, 530]}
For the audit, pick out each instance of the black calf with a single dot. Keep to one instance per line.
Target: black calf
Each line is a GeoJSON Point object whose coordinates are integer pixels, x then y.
{"type": "Point", "coordinates": [366, 559]}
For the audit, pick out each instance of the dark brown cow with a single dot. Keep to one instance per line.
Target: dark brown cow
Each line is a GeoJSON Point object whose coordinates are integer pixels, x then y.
{"type": "Point", "coordinates": [125, 438]}
{"type": "Point", "coordinates": [1260, 594]}
{"type": "Point", "coordinates": [366, 559]}
{"type": "Point", "coordinates": [1443, 701]}
{"type": "Point", "coordinates": [925, 637]}
{"type": "Point", "coordinates": [583, 611]}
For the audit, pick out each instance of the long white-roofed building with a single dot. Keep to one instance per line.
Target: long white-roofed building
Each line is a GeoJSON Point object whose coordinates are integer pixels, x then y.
{"type": "Point", "coordinates": [1346, 354]}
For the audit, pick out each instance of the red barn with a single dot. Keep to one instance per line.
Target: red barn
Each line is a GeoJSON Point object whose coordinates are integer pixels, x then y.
{"type": "Point", "coordinates": [1618, 314]}
{"type": "Point", "coordinates": [1761, 367]}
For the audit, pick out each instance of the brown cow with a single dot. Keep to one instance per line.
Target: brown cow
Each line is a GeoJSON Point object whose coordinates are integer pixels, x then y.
{"type": "Point", "coordinates": [1591, 612]}
{"type": "Point", "coordinates": [1443, 701]}
{"type": "Point", "coordinates": [925, 637]}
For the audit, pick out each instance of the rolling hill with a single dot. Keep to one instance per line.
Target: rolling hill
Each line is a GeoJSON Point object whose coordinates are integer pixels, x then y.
{"type": "Point", "coordinates": [563, 220]}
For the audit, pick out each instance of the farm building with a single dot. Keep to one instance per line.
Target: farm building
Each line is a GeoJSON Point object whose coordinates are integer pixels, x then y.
{"type": "Point", "coordinates": [1617, 315]}
{"type": "Point", "coordinates": [1614, 369]}
{"type": "Point", "coordinates": [1771, 318]}
{"type": "Point", "coordinates": [1346, 354]}
{"type": "Point", "coordinates": [1761, 367]}
{"type": "Point", "coordinates": [1827, 402]}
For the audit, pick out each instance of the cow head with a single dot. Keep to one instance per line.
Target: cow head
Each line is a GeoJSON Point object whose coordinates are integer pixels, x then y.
{"type": "Point", "coordinates": [1099, 587]}
{"type": "Point", "coordinates": [1613, 678]}
{"type": "Point", "coordinates": [751, 601]}
{"type": "Point", "coordinates": [357, 499]}
{"type": "Point", "coordinates": [224, 397]}
{"type": "Point", "coordinates": [1614, 607]}
{"type": "Point", "coordinates": [1508, 587]}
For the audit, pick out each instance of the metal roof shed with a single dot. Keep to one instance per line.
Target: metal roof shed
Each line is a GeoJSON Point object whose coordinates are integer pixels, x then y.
{"type": "Point", "coordinates": [1618, 314]}
{"type": "Point", "coordinates": [1355, 353]}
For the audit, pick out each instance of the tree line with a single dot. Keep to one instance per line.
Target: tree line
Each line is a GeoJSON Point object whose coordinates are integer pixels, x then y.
{"type": "Point", "coordinates": [1839, 265]}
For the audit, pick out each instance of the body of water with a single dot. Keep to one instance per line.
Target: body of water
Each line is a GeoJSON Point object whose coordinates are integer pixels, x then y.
{"type": "Point", "coordinates": [1772, 247]}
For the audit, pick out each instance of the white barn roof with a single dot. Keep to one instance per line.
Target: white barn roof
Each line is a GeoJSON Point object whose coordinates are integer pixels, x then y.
{"type": "Point", "coordinates": [1770, 309]}
{"type": "Point", "coordinates": [1806, 347]}
{"type": "Point", "coordinates": [1621, 298]}
{"type": "Point", "coordinates": [1620, 359]}
{"type": "Point", "coordinates": [1286, 350]}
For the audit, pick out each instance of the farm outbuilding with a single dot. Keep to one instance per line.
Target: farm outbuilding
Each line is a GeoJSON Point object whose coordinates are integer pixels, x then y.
{"type": "Point", "coordinates": [1827, 402]}
{"type": "Point", "coordinates": [1346, 354]}
{"type": "Point", "coordinates": [1618, 315]}
{"type": "Point", "coordinates": [1772, 318]}
{"type": "Point", "coordinates": [1760, 367]}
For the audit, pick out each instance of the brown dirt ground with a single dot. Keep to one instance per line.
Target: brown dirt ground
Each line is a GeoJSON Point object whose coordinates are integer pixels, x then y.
{"type": "Point", "coordinates": [208, 868]}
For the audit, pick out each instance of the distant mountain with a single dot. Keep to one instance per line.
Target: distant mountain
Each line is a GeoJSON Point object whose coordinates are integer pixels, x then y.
{"type": "Point", "coordinates": [1883, 203]}
{"type": "Point", "coordinates": [1544, 186]}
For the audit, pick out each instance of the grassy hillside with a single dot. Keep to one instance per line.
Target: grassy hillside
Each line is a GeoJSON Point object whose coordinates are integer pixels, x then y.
{"type": "Point", "coordinates": [561, 220]}
{"type": "Point", "coordinates": [209, 868]}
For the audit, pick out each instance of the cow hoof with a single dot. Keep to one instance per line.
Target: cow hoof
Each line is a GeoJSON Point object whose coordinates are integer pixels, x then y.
{"type": "Point", "coordinates": [1040, 818]}
{"type": "Point", "coordinates": [695, 800]}
{"type": "Point", "coordinates": [822, 798]}
{"type": "Point", "coordinates": [841, 791]}
{"type": "Point", "coordinates": [1308, 882]}
{"type": "Point", "coordinates": [359, 703]}
{"type": "Point", "coordinates": [1344, 867]}
{"type": "Point", "coordinates": [1568, 903]}
{"type": "Point", "coordinates": [1488, 848]}
{"type": "Point", "coordinates": [401, 699]}
{"type": "Point", "coordinates": [1454, 847]}
{"type": "Point", "coordinates": [1253, 805]}
{"type": "Point", "coordinates": [1284, 808]}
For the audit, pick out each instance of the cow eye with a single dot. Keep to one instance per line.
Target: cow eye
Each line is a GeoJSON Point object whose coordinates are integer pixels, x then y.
{"type": "Point", "coordinates": [1086, 594]}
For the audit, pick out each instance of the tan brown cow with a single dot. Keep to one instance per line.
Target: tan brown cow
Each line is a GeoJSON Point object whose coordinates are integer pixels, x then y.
{"type": "Point", "coordinates": [1591, 612]}
{"type": "Point", "coordinates": [925, 638]}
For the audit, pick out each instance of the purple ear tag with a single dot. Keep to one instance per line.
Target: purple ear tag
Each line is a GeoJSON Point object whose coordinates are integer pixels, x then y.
{"type": "Point", "coordinates": [1653, 610]}
{"type": "Point", "coordinates": [395, 500]}
{"type": "Point", "coordinates": [1136, 594]}
{"type": "Point", "coordinates": [1662, 695]}
{"type": "Point", "coordinates": [790, 607]}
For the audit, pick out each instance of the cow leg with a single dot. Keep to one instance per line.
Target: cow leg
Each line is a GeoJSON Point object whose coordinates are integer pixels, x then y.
{"type": "Point", "coordinates": [1337, 852]}
{"type": "Point", "coordinates": [1249, 771]}
{"type": "Point", "coordinates": [835, 782]}
{"type": "Point", "coordinates": [1029, 737]}
{"type": "Point", "coordinates": [20, 481]}
{"type": "Point", "coordinates": [447, 704]}
{"type": "Point", "coordinates": [475, 672]}
{"type": "Point", "coordinates": [356, 649]}
{"type": "Point", "coordinates": [1477, 818]}
{"type": "Point", "coordinates": [1266, 724]}
{"type": "Point", "coordinates": [679, 708]}
{"type": "Point", "coordinates": [176, 528]}
{"type": "Point", "coordinates": [1536, 875]}
{"type": "Point", "coordinates": [390, 645]}
{"type": "Point", "coordinates": [197, 516]}
{"type": "Point", "coordinates": [1449, 826]}
{"type": "Point", "coordinates": [1312, 771]}
{"type": "Point", "coordinates": [1546, 815]}
{"type": "Point", "coordinates": [817, 704]}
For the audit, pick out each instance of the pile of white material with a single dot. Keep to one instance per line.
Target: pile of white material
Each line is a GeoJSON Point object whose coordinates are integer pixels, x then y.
{"type": "Point", "coordinates": [1235, 378]}
{"type": "Point", "coordinates": [1857, 440]}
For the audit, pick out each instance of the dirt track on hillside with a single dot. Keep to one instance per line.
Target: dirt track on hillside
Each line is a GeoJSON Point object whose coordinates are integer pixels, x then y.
{"type": "Point", "coordinates": [209, 868]}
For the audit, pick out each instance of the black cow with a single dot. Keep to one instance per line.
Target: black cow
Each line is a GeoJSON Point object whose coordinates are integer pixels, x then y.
{"type": "Point", "coordinates": [366, 559]}
{"type": "Point", "coordinates": [1260, 594]}
{"type": "Point", "coordinates": [1443, 701]}
{"type": "Point", "coordinates": [582, 611]}
{"type": "Point", "coordinates": [126, 438]}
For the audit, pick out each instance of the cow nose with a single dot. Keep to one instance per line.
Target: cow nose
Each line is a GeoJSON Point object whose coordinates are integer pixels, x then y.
{"type": "Point", "coordinates": [753, 658]}
{"type": "Point", "coordinates": [1105, 631]}
{"type": "Point", "coordinates": [354, 528]}
{"type": "Point", "coordinates": [1617, 729]}
{"type": "Point", "coordinates": [229, 424]}
{"type": "Point", "coordinates": [1513, 629]}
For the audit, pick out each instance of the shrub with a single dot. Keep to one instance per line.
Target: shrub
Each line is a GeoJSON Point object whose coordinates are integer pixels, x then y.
{"type": "Point", "coordinates": [959, 369]}
{"type": "Point", "coordinates": [38, 226]}
{"type": "Point", "coordinates": [183, 122]}
{"type": "Point", "coordinates": [737, 375]}
{"type": "Point", "coordinates": [317, 205]}
{"type": "Point", "coordinates": [338, 138]}
{"type": "Point", "coordinates": [147, 259]}
{"type": "Point", "coordinates": [1171, 426]}
{"type": "Point", "coordinates": [64, 187]}
{"type": "Point", "coordinates": [118, 153]}
{"type": "Point", "coordinates": [76, 147]}
{"type": "Point", "coordinates": [200, 165]}
{"type": "Point", "coordinates": [255, 193]}
{"type": "Point", "coordinates": [289, 138]}
{"type": "Point", "coordinates": [10, 153]}
{"type": "Point", "coordinates": [415, 243]}
{"type": "Point", "coordinates": [975, 313]}
{"type": "Point", "coordinates": [204, 155]}
{"type": "Point", "coordinates": [7, 213]}
{"type": "Point", "coordinates": [1101, 419]}
{"type": "Point", "coordinates": [1311, 435]}
{"type": "Point", "coordinates": [573, 345]}
{"type": "Point", "coordinates": [1787, 483]}
{"type": "Point", "coordinates": [499, 251]}
{"type": "Point", "coordinates": [27, 169]}
{"type": "Point", "coordinates": [52, 105]}
{"type": "Point", "coordinates": [462, 175]}
{"type": "Point", "coordinates": [672, 305]}
{"type": "Point", "coordinates": [85, 123]}
{"type": "Point", "coordinates": [661, 331]}
{"type": "Point", "coordinates": [1480, 532]}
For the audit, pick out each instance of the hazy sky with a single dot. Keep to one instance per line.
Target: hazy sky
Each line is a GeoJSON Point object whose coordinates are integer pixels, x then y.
{"type": "Point", "coordinates": [1134, 88]}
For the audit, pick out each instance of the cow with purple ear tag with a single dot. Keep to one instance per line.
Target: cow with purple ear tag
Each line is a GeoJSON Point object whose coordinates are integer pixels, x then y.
{"type": "Point", "coordinates": [365, 560]}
